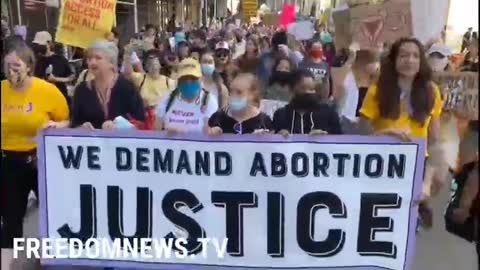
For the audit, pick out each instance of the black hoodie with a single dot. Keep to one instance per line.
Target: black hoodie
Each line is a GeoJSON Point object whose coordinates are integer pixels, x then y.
{"type": "Point", "coordinates": [324, 117]}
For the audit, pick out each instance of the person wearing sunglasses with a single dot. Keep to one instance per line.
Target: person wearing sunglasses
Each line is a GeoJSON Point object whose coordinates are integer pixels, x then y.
{"type": "Point", "coordinates": [188, 107]}
{"type": "Point", "coordinates": [242, 116]}
{"type": "Point", "coordinates": [223, 63]}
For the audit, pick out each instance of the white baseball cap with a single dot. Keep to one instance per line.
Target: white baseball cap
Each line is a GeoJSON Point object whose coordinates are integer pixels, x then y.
{"type": "Point", "coordinates": [222, 45]}
{"type": "Point", "coordinates": [42, 38]}
{"type": "Point", "coordinates": [441, 49]}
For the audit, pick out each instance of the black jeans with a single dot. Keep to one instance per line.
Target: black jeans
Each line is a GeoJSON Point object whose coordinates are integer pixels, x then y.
{"type": "Point", "coordinates": [18, 176]}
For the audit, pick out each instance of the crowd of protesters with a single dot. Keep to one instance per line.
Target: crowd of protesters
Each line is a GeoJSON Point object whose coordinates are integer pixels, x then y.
{"type": "Point", "coordinates": [212, 81]}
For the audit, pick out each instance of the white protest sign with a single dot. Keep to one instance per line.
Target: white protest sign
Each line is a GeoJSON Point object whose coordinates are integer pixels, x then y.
{"type": "Point", "coordinates": [329, 202]}
{"type": "Point", "coordinates": [52, 3]}
{"type": "Point", "coordinates": [270, 106]}
{"type": "Point", "coordinates": [303, 30]}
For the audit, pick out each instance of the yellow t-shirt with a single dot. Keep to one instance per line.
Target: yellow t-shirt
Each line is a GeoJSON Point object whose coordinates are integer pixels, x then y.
{"type": "Point", "coordinates": [25, 112]}
{"type": "Point", "coordinates": [370, 109]}
{"type": "Point", "coordinates": [152, 89]}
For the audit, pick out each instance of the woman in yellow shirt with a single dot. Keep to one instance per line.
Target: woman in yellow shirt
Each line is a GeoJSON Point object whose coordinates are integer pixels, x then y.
{"type": "Point", "coordinates": [28, 105]}
{"type": "Point", "coordinates": [151, 84]}
{"type": "Point", "coordinates": [406, 103]}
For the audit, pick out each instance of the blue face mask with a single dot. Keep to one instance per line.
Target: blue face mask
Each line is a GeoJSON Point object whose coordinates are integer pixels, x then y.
{"type": "Point", "coordinates": [208, 69]}
{"type": "Point", "coordinates": [237, 103]}
{"type": "Point", "coordinates": [122, 123]}
{"type": "Point", "coordinates": [189, 89]}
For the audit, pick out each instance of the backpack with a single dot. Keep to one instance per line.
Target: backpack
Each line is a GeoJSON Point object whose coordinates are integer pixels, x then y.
{"type": "Point", "coordinates": [469, 230]}
{"type": "Point", "coordinates": [84, 78]}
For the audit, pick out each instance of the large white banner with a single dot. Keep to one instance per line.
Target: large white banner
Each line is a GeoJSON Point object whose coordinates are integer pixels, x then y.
{"type": "Point", "coordinates": [305, 202]}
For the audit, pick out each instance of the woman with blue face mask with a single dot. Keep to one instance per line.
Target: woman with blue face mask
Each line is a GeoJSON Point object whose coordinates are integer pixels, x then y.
{"type": "Point", "coordinates": [188, 107]}
{"type": "Point", "coordinates": [242, 115]}
{"type": "Point", "coordinates": [212, 81]}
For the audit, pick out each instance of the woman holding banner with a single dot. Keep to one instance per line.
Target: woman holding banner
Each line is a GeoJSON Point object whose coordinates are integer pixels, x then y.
{"type": "Point", "coordinates": [98, 102]}
{"type": "Point", "coordinates": [242, 115]}
{"type": "Point", "coordinates": [189, 106]}
{"type": "Point", "coordinates": [406, 103]}
{"type": "Point", "coordinates": [28, 105]}
{"type": "Point", "coordinates": [305, 114]}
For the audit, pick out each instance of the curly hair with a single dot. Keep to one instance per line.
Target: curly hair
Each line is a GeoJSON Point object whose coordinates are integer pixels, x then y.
{"type": "Point", "coordinates": [422, 93]}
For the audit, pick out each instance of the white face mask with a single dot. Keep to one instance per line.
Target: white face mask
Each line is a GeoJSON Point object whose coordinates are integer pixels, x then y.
{"type": "Point", "coordinates": [438, 64]}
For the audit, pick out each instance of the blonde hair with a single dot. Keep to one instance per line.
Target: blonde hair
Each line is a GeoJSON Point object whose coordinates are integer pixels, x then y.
{"type": "Point", "coordinates": [25, 54]}
{"type": "Point", "coordinates": [254, 86]}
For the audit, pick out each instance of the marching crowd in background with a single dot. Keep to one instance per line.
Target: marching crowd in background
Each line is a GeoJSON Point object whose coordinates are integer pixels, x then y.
{"type": "Point", "coordinates": [213, 81]}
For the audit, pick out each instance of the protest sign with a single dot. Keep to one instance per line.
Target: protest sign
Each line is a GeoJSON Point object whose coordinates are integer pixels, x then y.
{"type": "Point", "coordinates": [287, 16]}
{"type": "Point", "coordinates": [305, 202]}
{"type": "Point", "coordinates": [249, 9]}
{"type": "Point", "coordinates": [459, 92]}
{"type": "Point", "coordinates": [270, 19]}
{"type": "Point", "coordinates": [373, 24]}
{"type": "Point", "coordinates": [269, 106]}
{"type": "Point", "coordinates": [341, 20]}
{"type": "Point", "coordinates": [82, 22]}
{"type": "Point", "coordinates": [302, 30]}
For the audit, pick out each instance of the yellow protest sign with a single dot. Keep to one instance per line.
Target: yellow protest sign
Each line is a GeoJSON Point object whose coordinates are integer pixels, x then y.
{"type": "Point", "coordinates": [83, 21]}
{"type": "Point", "coordinates": [249, 8]}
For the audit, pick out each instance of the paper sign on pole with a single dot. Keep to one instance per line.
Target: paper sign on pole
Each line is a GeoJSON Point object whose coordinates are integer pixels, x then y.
{"type": "Point", "coordinates": [249, 9]}
{"type": "Point", "coordinates": [288, 15]}
{"type": "Point", "coordinates": [82, 22]}
{"type": "Point", "coordinates": [460, 92]}
{"type": "Point", "coordinates": [303, 30]}
{"type": "Point", "coordinates": [329, 202]}
{"type": "Point", "coordinates": [372, 25]}
{"type": "Point", "coordinates": [270, 19]}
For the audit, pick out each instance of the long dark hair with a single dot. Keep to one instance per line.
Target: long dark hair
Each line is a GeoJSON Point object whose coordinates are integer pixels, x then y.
{"type": "Point", "coordinates": [217, 79]}
{"type": "Point", "coordinates": [421, 96]}
{"type": "Point", "coordinates": [276, 64]}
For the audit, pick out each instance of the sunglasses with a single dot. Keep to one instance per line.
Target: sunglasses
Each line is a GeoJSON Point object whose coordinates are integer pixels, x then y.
{"type": "Point", "coordinates": [221, 54]}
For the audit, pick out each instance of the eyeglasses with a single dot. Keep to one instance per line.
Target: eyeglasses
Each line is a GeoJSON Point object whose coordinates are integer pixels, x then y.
{"type": "Point", "coordinates": [237, 128]}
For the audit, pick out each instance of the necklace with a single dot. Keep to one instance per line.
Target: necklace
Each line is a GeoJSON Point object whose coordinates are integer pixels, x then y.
{"type": "Point", "coordinates": [104, 96]}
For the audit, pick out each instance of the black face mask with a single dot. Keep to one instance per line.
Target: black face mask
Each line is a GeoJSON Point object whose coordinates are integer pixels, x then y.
{"type": "Point", "coordinates": [39, 50]}
{"type": "Point", "coordinates": [281, 77]}
{"type": "Point", "coordinates": [305, 101]}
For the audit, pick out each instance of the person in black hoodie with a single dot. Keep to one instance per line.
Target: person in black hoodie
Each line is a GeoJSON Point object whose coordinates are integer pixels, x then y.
{"type": "Point", "coordinates": [305, 114]}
